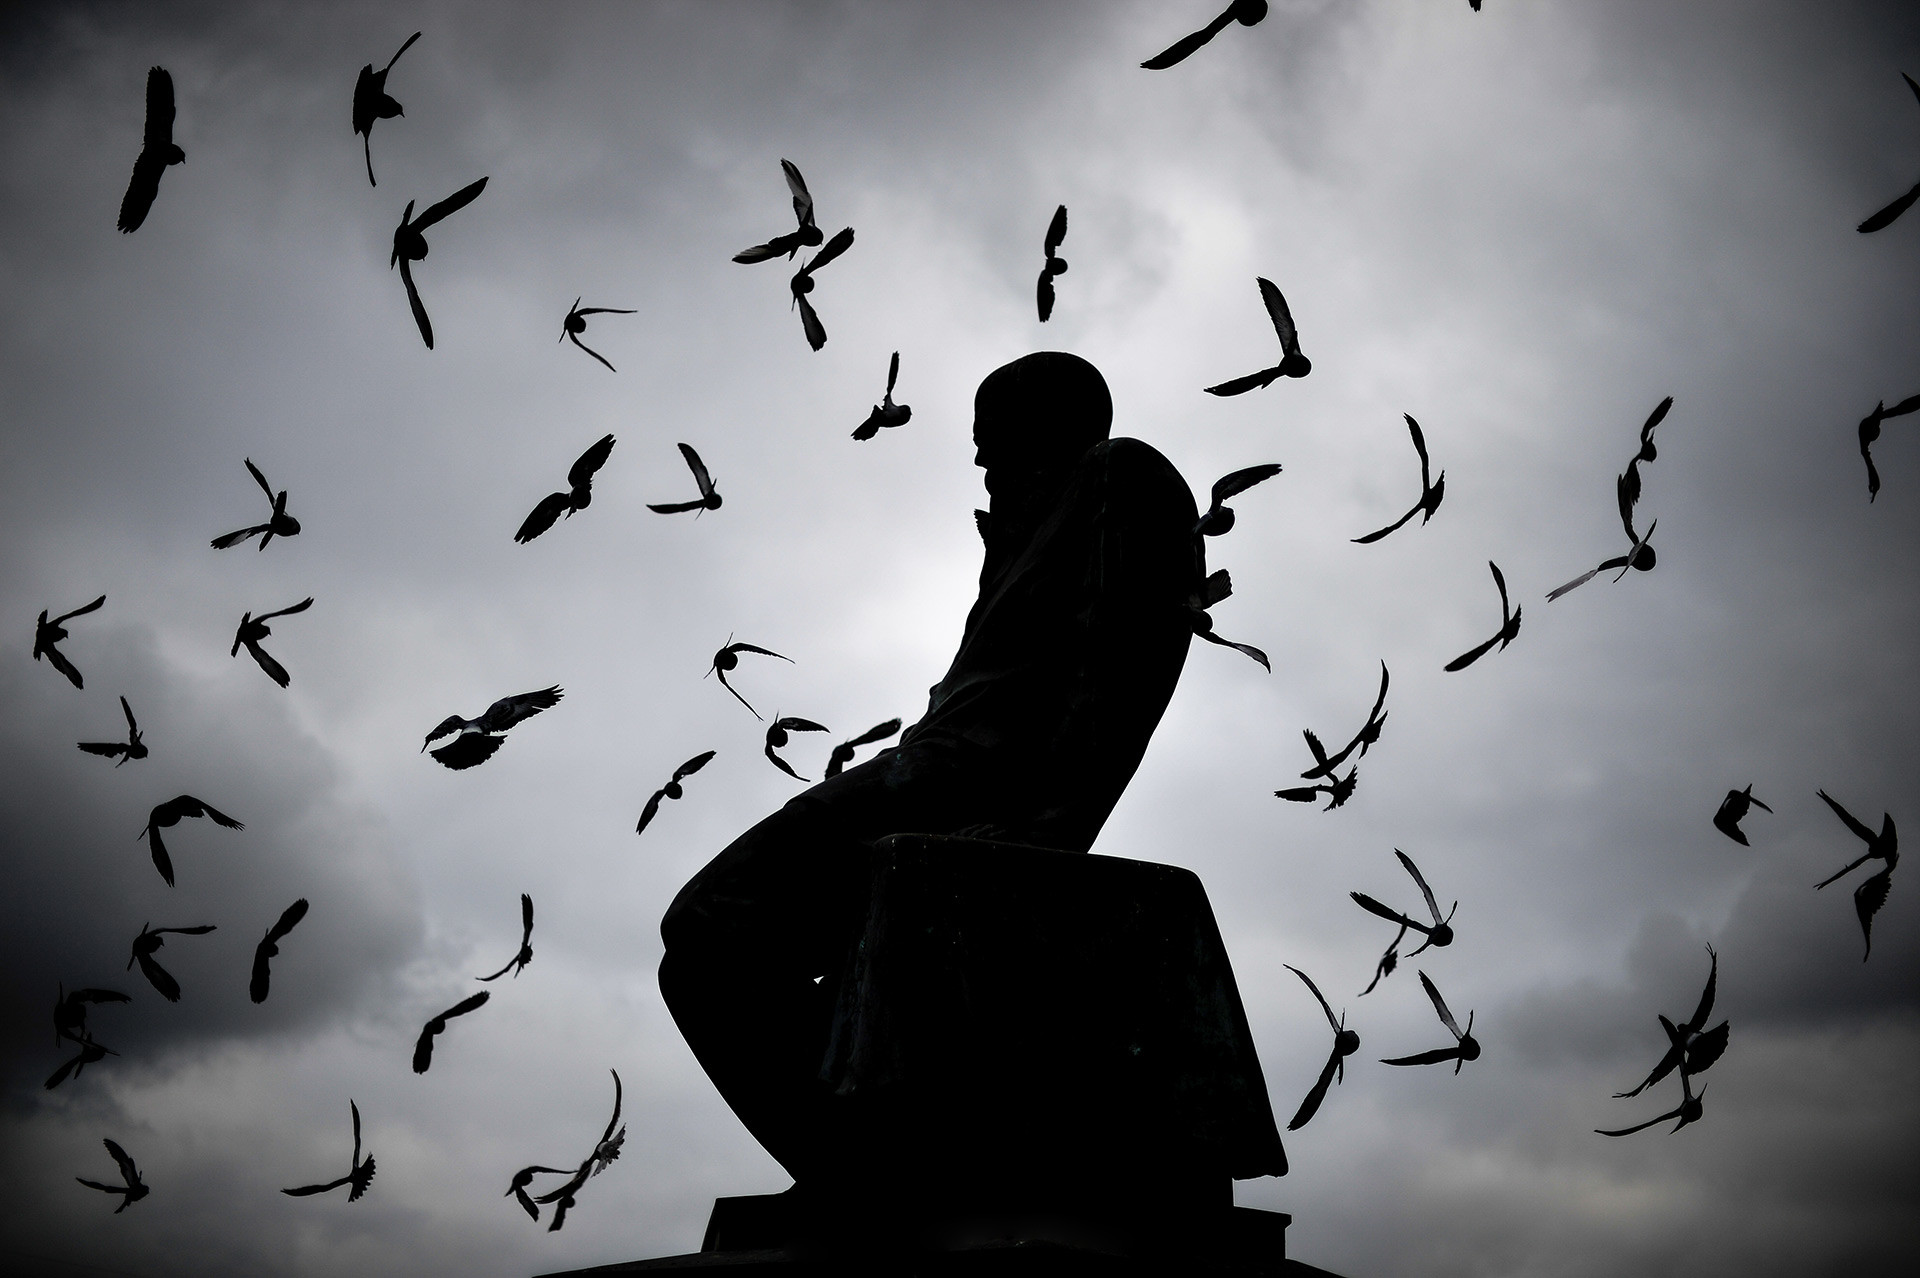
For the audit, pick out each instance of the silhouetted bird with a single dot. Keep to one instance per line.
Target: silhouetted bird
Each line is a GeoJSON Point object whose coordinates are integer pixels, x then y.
{"type": "Point", "coordinates": [602, 1157]}
{"type": "Point", "coordinates": [157, 151]}
{"type": "Point", "coordinates": [170, 813]}
{"type": "Point", "coordinates": [522, 1179]}
{"type": "Point", "coordinates": [1217, 586]}
{"type": "Point", "coordinates": [886, 412]}
{"type": "Point", "coordinates": [1687, 1111]}
{"type": "Point", "coordinates": [370, 103]}
{"type": "Point", "coordinates": [423, 1046]}
{"type": "Point", "coordinates": [479, 738]}
{"type": "Point", "coordinates": [777, 736]}
{"type": "Point", "coordinates": [1338, 790]}
{"type": "Point", "coordinates": [1245, 12]}
{"type": "Point", "coordinates": [131, 1190]}
{"type": "Point", "coordinates": [792, 242]}
{"type": "Point", "coordinates": [1438, 933]}
{"type": "Point", "coordinates": [90, 1053]}
{"type": "Point", "coordinates": [1218, 518]}
{"type": "Point", "coordinates": [1509, 627]}
{"type": "Point", "coordinates": [410, 246]}
{"type": "Point", "coordinates": [359, 1174]}
{"type": "Point", "coordinates": [709, 496]}
{"type": "Point", "coordinates": [1885, 217]}
{"type": "Point", "coordinates": [576, 324]}
{"type": "Point", "coordinates": [70, 1012]}
{"type": "Point", "coordinates": [1691, 1046]}
{"type": "Point", "coordinates": [1324, 764]}
{"type": "Point", "coordinates": [729, 657]}
{"type": "Point", "coordinates": [1292, 362]}
{"type": "Point", "coordinates": [1640, 555]}
{"type": "Point", "coordinates": [843, 753]}
{"type": "Point", "coordinates": [1465, 1049]}
{"type": "Point", "coordinates": [279, 522]}
{"type": "Point", "coordinates": [48, 633]}
{"type": "Point", "coordinates": [1345, 1044]}
{"type": "Point", "coordinates": [253, 629]}
{"type": "Point", "coordinates": [132, 748]}
{"type": "Point", "coordinates": [578, 497]}
{"type": "Point", "coordinates": [1054, 264]}
{"type": "Point", "coordinates": [525, 954]}
{"type": "Point", "coordinates": [1733, 809]}
{"type": "Point", "coordinates": [1431, 491]}
{"type": "Point", "coordinates": [1870, 431]}
{"type": "Point", "coordinates": [144, 946]}
{"type": "Point", "coordinates": [269, 949]}
{"type": "Point", "coordinates": [1872, 893]}
{"type": "Point", "coordinates": [802, 284]}
{"type": "Point", "coordinates": [672, 790]}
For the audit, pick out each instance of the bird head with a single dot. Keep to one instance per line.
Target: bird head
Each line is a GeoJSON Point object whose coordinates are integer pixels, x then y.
{"type": "Point", "coordinates": [1248, 12]}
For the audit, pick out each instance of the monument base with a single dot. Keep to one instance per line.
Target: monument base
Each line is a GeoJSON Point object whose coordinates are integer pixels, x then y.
{"type": "Point", "coordinates": [779, 1234]}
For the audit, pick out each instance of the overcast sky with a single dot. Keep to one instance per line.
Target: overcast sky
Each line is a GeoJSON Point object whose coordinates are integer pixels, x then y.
{"type": "Point", "coordinates": [1525, 227]}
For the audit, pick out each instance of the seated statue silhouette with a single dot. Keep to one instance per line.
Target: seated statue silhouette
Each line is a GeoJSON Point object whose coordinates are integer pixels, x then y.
{"type": "Point", "coordinates": [1068, 660]}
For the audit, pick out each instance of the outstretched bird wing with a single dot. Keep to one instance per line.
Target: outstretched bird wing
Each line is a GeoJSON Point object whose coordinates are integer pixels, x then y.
{"type": "Point", "coordinates": [1240, 480]}
{"type": "Point", "coordinates": [1433, 907]}
{"type": "Point", "coordinates": [288, 920]}
{"type": "Point", "coordinates": [452, 204]}
{"type": "Point", "coordinates": [1852, 823]}
{"type": "Point", "coordinates": [543, 516]}
{"type": "Point", "coordinates": [1372, 906]}
{"type": "Point", "coordinates": [305, 1190]}
{"type": "Point", "coordinates": [1317, 994]}
{"type": "Point", "coordinates": [802, 198]}
{"type": "Point", "coordinates": [1311, 1105]}
{"type": "Point", "coordinates": [302, 606]}
{"type": "Point", "coordinates": [1241, 385]}
{"type": "Point", "coordinates": [1440, 1006]}
{"type": "Point", "coordinates": [507, 711]}
{"type": "Point", "coordinates": [590, 461]}
{"type": "Point", "coordinates": [1182, 48]}
{"type": "Point", "coordinates": [840, 243]}
{"type": "Point", "coordinates": [468, 750]}
{"type": "Point", "coordinates": [1056, 230]}
{"type": "Point", "coordinates": [413, 300]}
{"type": "Point", "coordinates": [275, 671]}
{"type": "Point", "coordinates": [82, 610]}
{"type": "Point", "coordinates": [1879, 221]}
{"type": "Point", "coordinates": [693, 765]}
{"type": "Point", "coordinates": [1433, 1057]}
{"type": "Point", "coordinates": [161, 979]}
{"type": "Point", "coordinates": [1867, 900]}
{"type": "Point", "coordinates": [1281, 316]}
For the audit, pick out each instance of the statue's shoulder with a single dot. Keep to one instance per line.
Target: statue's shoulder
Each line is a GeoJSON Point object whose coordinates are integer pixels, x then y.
{"type": "Point", "coordinates": [1139, 467]}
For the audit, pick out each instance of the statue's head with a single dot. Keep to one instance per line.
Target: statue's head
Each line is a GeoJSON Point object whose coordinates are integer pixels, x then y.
{"type": "Point", "coordinates": [1034, 418]}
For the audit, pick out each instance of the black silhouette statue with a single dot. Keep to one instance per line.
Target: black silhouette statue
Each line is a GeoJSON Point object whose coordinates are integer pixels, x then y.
{"type": "Point", "coordinates": [911, 981]}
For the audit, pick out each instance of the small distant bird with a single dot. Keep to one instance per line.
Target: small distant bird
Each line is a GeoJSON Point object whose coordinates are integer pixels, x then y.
{"type": "Point", "coordinates": [1870, 432]}
{"type": "Point", "coordinates": [777, 736]}
{"type": "Point", "coordinates": [479, 738]}
{"type": "Point", "coordinates": [1345, 1044]}
{"type": "Point", "coordinates": [886, 412]}
{"type": "Point", "coordinates": [525, 954]}
{"type": "Point", "coordinates": [279, 522]}
{"type": "Point", "coordinates": [709, 495]}
{"type": "Point", "coordinates": [1338, 790]}
{"type": "Point", "coordinates": [90, 1053]}
{"type": "Point", "coordinates": [1687, 1111]}
{"type": "Point", "coordinates": [1691, 1047]}
{"type": "Point", "coordinates": [1733, 809]}
{"type": "Point", "coordinates": [48, 633]}
{"type": "Point", "coordinates": [576, 324]}
{"type": "Point", "coordinates": [144, 946]}
{"type": "Point", "coordinates": [802, 284]}
{"type": "Point", "coordinates": [792, 242]}
{"type": "Point", "coordinates": [672, 790]}
{"type": "Point", "coordinates": [370, 103]}
{"type": "Point", "coordinates": [1438, 934]}
{"type": "Point", "coordinates": [578, 497]}
{"type": "Point", "coordinates": [1218, 586]}
{"type": "Point", "coordinates": [1323, 763]}
{"type": "Point", "coordinates": [1872, 892]}
{"type": "Point", "coordinates": [410, 246]}
{"type": "Point", "coordinates": [1467, 1048]}
{"type": "Point", "coordinates": [1054, 264]}
{"type": "Point", "coordinates": [843, 753]}
{"type": "Point", "coordinates": [170, 813]}
{"type": "Point", "coordinates": [269, 949]}
{"type": "Point", "coordinates": [1218, 518]}
{"type": "Point", "coordinates": [157, 151]}
{"type": "Point", "coordinates": [1640, 555]}
{"type": "Point", "coordinates": [70, 1012]}
{"type": "Point", "coordinates": [359, 1174]}
{"type": "Point", "coordinates": [1509, 627]}
{"type": "Point", "coordinates": [603, 1155]}
{"type": "Point", "coordinates": [522, 1179]}
{"type": "Point", "coordinates": [132, 748]}
{"type": "Point", "coordinates": [253, 629]}
{"type": "Point", "coordinates": [131, 1191]}
{"type": "Point", "coordinates": [1245, 12]}
{"type": "Point", "coordinates": [1885, 217]}
{"type": "Point", "coordinates": [1292, 362]}
{"type": "Point", "coordinates": [1431, 490]}
{"type": "Point", "coordinates": [423, 1046]}
{"type": "Point", "coordinates": [729, 657]}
